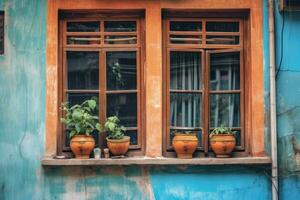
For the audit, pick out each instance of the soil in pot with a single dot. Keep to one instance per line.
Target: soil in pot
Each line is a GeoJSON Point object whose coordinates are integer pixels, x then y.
{"type": "Point", "coordinates": [118, 147]}
{"type": "Point", "coordinates": [82, 146]}
{"type": "Point", "coordinates": [222, 145]}
{"type": "Point", "coordinates": [185, 145]}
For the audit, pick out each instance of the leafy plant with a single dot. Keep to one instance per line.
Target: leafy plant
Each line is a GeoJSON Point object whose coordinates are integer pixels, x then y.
{"type": "Point", "coordinates": [222, 130]}
{"type": "Point", "coordinates": [182, 132]}
{"type": "Point", "coordinates": [80, 119]}
{"type": "Point", "coordinates": [112, 127]}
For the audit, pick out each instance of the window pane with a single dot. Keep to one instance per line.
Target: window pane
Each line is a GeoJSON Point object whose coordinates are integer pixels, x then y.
{"type": "Point", "coordinates": [185, 110]}
{"type": "Point", "coordinates": [220, 39]}
{"type": "Point", "coordinates": [186, 39]}
{"type": "Point", "coordinates": [78, 98]}
{"type": "Point", "coordinates": [121, 70]}
{"type": "Point", "coordinates": [83, 40]}
{"type": "Point", "coordinates": [222, 26]}
{"type": "Point", "coordinates": [133, 137]}
{"type": "Point", "coordinates": [225, 71]}
{"type": "Point", "coordinates": [224, 110]}
{"type": "Point", "coordinates": [185, 26]}
{"type": "Point", "coordinates": [238, 138]}
{"type": "Point", "coordinates": [83, 26]}
{"type": "Point", "coordinates": [83, 70]}
{"type": "Point", "coordinates": [120, 26]}
{"type": "Point", "coordinates": [185, 70]}
{"type": "Point", "coordinates": [124, 106]}
{"type": "Point", "coordinates": [113, 39]}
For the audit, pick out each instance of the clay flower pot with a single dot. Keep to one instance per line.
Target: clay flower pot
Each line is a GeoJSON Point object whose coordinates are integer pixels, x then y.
{"type": "Point", "coordinates": [118, 147]}
{"type": "Point", "coordinates": [185, 144]}
{"type": "Point", "coordinates": [82, 146]}
{"type": "Point", "coordinates": [222, 144]}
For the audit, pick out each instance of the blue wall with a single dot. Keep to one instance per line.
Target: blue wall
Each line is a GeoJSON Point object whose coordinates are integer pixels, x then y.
{"type": "Point", "coordinates": [288, 101]}
{"type": "Point", "coordinates": [22, 130]}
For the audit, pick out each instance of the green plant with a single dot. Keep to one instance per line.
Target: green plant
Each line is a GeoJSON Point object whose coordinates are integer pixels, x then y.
{"type": "Point", "coordinates": [80, 119]}
{"type": "Point", "coordinates": [222, 130]}
{"type": "Point", "coordinates": [112, 127]}
{"type": "Point", "coordinates": [182, 132]}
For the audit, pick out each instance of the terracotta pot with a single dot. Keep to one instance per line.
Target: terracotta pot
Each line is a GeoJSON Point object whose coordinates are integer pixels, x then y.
{"type": "Point", "coordinates": [118, 147]}
{"type": "Point", "coordinates": [185, 145]}
{"type": "Point", "coordinates": [82, 146]}
{"type": "Point", "coordinates": [222, 145]}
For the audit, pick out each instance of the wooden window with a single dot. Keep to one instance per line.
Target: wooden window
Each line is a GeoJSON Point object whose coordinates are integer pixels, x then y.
{"type": "Point", "coordinates": [1, 32]}
{"type": "Point", "coordinates": [101, 58]}
{"type": "Point", "coordinates": [204, 79]}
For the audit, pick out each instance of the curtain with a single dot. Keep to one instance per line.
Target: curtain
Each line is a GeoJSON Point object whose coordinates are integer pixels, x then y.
{"type": "Point", "coordinates": [185, 75]}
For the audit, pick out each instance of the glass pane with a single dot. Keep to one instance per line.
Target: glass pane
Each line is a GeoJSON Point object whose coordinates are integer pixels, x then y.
{"type": "Point", "coordinates": [133, 137]}
{"type": "Point", "coordinates": [185, 26]}
{"type": "Point", "coordinates": [238, 138]}
{"type": "Point", "coordinates": [83, 26]}
{"type": "Point", "coordinates": [83, 40]}
{"type": "Point", "coordinates": [124, 106]}
{"type": "Point", "coordinates": [186, 39]}
{"type": "Point", "coordinates": [76, 98]}
{"type": "Point", "coordinates": [225, 110]}
{"type": "Point", "coordinates": [222, 26]}
{"type": "Point", "coordinates": [83, 70]}
{"type": "Point", "coordinates": [121, 70]}
{"type": "Point", "coordinates": [113, 39]}
{"type": "Point", "coordinates": [120, 26]}
{"type": "Point", "coordinates": [220, 39]}
{"type": "Point", "coordinates": [185, 70]}
{"type": "Point", "coordinates": [185, 110]}
{"type": "Point", "coordinates": [198, 134]}
{"type": "Point", "coordinates": [225, 71]}
{"type": "Point", "coordinates": [94, 134]}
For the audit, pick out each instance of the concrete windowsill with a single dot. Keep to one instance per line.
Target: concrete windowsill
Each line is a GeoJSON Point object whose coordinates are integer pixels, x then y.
{"type": "Point", "coordinates": [157, 161]}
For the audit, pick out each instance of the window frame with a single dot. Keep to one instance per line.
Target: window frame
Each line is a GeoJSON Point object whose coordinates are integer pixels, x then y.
{"type": "Point", "coordinates": [102, 91]}
{"type": "Point", "coordinates": [242, 47]}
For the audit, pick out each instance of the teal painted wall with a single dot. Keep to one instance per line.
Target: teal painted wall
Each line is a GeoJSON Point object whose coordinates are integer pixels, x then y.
{"type": "Point", "coordinates": [288, 102]}
{"type": "Point", "coordinates": [22, 130]}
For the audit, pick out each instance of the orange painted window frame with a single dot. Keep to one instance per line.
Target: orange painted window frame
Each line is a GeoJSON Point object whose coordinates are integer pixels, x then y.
{"type": "Point", "coordinates": [154, 65]}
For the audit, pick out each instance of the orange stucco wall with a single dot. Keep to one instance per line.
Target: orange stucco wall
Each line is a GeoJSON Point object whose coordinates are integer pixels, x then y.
{"type": "Point", "coordinates": [153, 65]}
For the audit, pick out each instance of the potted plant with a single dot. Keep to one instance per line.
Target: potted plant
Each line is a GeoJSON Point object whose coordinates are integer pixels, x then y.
{"type": "Point", "coordinates": [81, 123]}
{"type": "Point", "coordinates": [185, 143]}
{"type": "Point", "coordinates": [117, 142]}
{"type": "Point", "coordinates": [222, 141]}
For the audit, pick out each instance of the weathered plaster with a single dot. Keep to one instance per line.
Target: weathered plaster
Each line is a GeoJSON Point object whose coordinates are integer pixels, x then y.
{"type": "Point", "coordinates": [288, 102]}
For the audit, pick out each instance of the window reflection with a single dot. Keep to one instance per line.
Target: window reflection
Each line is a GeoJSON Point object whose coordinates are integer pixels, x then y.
{"type": "Point", "coordinates": [121, 70]}
{"type": "Point", "coordinates": [124, 106]}
{"type": "Point", "coordinates": [225, 71]}
{"type": "Point", "coordinates": [83, 26]}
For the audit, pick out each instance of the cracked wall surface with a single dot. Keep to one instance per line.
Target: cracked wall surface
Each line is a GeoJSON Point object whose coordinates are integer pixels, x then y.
{"type": "Point", "coordinates": [288, 102]}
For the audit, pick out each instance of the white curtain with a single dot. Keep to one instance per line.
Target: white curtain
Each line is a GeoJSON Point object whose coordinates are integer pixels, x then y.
{"type": "Point", "coordinates": [185, 75]}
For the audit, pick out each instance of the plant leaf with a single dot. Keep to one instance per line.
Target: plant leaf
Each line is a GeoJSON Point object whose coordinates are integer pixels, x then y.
{"type": "Point", "coordinates": [92, 104]}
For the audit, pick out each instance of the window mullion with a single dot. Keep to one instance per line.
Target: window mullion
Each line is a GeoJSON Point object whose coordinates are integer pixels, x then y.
{"type": "Point", "coordinates": [206, 73]}
{"type": "Point", "coordinates": [102, 95]}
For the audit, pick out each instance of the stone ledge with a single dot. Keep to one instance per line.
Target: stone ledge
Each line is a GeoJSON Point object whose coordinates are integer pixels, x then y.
{"type": "Point", "coordinates": [157, 161]}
